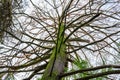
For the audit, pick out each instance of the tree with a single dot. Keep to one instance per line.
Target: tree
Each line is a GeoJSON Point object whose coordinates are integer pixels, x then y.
{"type": "Point", "coordinates": [62, 39]}
{"type": "Point", "coordinates": [5, 16]}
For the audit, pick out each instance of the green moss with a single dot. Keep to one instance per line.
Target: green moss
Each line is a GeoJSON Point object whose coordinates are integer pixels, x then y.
{"type": "Point", "coordinates": [57, 58]}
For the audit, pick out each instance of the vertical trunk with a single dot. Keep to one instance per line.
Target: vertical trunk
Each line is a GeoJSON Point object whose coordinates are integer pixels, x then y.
{"type": "Point", "coordinates": [57, 61]}
{"type": "Point", "coordinates": [55, 66]}
{"type": "Point", "coordinates": [5, 16]}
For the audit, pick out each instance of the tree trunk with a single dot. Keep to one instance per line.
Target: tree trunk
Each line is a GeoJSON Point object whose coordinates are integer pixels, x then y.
{"type": "Point", "coordinates": [57, 61]}
{"type": "Point", "coordinates": [5, 16]}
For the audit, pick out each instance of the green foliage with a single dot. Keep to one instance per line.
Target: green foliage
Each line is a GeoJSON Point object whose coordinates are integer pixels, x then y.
{"type": "Point", "coordinates": [10, 76]}
{"type": "Point", "coordinates": [100, 78]}
{"type": "Point", "coordinates": [80, 64]}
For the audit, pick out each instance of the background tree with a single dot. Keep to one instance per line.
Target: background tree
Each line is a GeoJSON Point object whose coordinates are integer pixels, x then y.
{"type": "Point", "coordinates": [62, 39]}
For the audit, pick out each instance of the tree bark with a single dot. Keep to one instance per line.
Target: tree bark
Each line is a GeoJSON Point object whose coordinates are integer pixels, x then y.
{"type": "Point", "coordinates": [57, 61]}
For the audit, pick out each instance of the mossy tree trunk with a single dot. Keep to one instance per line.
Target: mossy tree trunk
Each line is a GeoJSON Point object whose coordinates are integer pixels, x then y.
{"type": "Point", "coordinates": [57, 60]}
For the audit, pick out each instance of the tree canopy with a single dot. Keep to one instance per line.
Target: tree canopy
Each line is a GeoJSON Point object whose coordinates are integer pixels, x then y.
{"type": "Point", "coordinates": [59, 39]}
